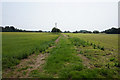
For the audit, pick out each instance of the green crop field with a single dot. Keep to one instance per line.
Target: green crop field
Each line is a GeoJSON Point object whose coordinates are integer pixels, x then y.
{"type": "Point", "coordinates": [65, 55]}
{"type": "Point", "coordinates": [108, 40]}
{"type": "Point", "coordinates": [19, 45]}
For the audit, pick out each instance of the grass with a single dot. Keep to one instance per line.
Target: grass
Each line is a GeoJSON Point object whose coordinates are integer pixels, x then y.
{"type": "Point", "coordinates": [19, 45]}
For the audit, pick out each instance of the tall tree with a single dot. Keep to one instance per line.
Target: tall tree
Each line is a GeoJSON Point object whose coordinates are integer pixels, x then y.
{"type": "Point", "coordinates": [56, 30]}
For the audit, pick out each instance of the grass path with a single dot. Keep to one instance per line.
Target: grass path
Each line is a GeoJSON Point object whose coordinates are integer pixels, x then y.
{"type": "Point", "coordinates": [33, 62]}
{"type": "Point", "coordinates": [65, 35]}
{"type": "Point", "coordinates": [63, 61]}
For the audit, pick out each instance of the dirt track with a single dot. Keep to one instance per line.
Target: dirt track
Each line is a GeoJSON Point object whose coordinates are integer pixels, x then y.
{"type": "Point", "coordinates": [65, 35]}
{"type": "Point", "coordinates": [57, 40]}
{"type": "Point", "coordinates": [86, 61]}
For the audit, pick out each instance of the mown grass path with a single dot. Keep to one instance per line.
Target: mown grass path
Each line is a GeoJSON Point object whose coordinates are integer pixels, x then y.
{"type": "Point", "coordinates": [62, 61]}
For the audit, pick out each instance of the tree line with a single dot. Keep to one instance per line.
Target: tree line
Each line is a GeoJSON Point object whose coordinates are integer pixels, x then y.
{"type": "Point", "coordinates": [112, 31]}
{"type": "Point", "coordinates": [108, 31]}
{"type": "Point", "coordinates": [13, 29]}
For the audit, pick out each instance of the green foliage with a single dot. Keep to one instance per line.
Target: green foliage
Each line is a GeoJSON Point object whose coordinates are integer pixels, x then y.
{"type": "Point", "coordinates": [81, 52]}
{"type": "Point", "coordinates": [102, 48]}
{"type": "Point", "coordinates": [117, 64]}
{"type": "Point", "coordinates": [94, 46]}
{"type": "Point", "coordinates": [79, 42]}
{"type": "Point", "coordinates": [112, 59]}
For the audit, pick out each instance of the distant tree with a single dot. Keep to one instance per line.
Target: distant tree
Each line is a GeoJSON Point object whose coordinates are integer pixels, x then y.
{"type": "Point", "coordinates": [95, 31]}
{"type": "Point", "coordinates": [7, 29]}
{"type": "Point", "coordinates": [83, 31]}
{"type": "Point", "coordinates": [56, 30]}
{"type": "Point", "coordinates": [76, 32]}
{"type": "Point", "coordinates": [40, 31]}
{"type": "Point", "coordinates": [12, 29]}
{"type": "Point", "coordinates": [66, 31]}
{"type": "Point", "coordinates": [89, 32]}
{"type": "Point", "coordinates": [112, 31]}
{"type": "Point", "coordinates": [118, 30]}
{"type": "Point", "coordinates": [1, 28]}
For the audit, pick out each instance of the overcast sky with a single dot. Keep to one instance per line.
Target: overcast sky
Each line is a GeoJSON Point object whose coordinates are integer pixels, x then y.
{"type": "Point", "coordinates": [70, 15]}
